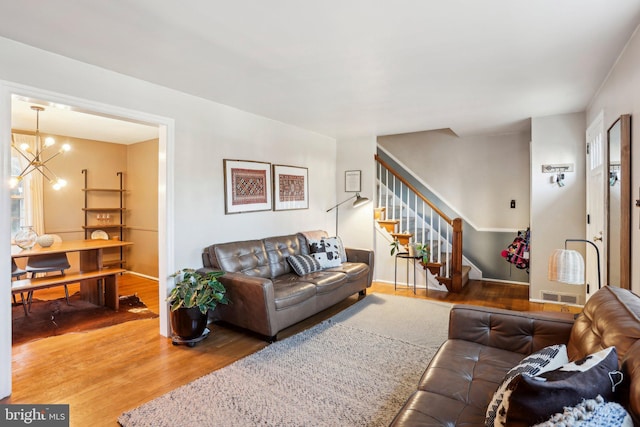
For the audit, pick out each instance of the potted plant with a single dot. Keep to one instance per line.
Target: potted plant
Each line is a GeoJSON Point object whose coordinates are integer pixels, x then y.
{"type": "Point", "coordinates": [422, 250]}
{"type": "Point", "coordinates": [395, 246]}
{"type": "Point", "coordinates": [191, 299]}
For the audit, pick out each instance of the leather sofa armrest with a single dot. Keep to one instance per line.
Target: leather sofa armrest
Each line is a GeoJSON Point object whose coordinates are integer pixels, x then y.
{"type": "Point", "coordinates": [251, 302]}
{"type": "Point", "coordinates": [521, 332]}
{"type": "Point", "coordinates": [362, 255]}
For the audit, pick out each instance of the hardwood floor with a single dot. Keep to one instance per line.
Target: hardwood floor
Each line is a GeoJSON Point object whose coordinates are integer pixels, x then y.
{"type": "Point", "coordinates": [105, 372]}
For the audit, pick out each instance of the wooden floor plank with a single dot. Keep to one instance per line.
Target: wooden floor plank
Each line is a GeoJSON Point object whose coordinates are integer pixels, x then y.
{"type": "Point", "coordinates": [105, 372]}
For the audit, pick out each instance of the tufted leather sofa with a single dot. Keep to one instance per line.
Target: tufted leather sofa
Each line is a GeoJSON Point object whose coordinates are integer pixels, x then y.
{"type": "Point", "coordinates": [267, 296]}
{"type": "Point", "coordinates": [484, 344]}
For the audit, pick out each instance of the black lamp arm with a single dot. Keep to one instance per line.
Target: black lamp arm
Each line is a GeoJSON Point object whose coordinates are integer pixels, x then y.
{"type": "Point", "coordinates": [597, 254]}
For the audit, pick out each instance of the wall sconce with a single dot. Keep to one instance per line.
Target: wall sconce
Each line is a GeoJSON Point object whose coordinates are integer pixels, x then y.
{"type": "Point", "coordinates": [558, 172]}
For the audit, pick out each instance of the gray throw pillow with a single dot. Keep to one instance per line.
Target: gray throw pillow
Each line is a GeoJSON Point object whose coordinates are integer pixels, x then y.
{"type": "Point", "coordinates": [303, 264]}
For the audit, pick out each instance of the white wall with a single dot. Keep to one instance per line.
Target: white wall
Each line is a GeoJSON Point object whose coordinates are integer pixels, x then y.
{"type": "Point", "coordinates": [557, 213]}
{"type": "Point", "coordinates": [477, 176]}
{"type": "Point", "coordinates": [356, 224]}
{"type": "Point", "coordinates": [620, 94]}
{"type": "Point", "coordinates": [205, 134]}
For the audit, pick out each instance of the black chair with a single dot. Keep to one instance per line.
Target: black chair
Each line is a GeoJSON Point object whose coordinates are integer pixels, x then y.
{"type": "Point", "coordinates": [48, 263]}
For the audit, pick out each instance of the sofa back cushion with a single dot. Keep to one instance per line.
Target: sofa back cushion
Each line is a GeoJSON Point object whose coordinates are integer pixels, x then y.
{"type": "Point", "coordinates": [305, 236]}
{"type": "Point", "coordinates": [248, 257]}
{"type": "Point", "coordinates": [278, 249]}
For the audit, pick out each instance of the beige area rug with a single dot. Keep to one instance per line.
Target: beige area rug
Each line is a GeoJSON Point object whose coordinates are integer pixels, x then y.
{"type": "Point", "coordinates": [355, 369]}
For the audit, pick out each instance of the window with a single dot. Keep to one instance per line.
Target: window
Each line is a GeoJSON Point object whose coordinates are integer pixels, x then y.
{"type": "Point", "coordinates": [18, 202]}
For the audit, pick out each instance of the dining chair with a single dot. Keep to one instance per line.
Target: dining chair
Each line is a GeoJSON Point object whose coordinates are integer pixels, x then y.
{"type": "Point", "coordinates": [48, 263]}
{"type": "Point", "coordinates": [17, 272]}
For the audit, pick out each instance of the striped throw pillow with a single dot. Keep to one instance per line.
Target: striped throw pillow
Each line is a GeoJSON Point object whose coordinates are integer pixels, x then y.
{"type": "Point", "coordinates": [303, 264]}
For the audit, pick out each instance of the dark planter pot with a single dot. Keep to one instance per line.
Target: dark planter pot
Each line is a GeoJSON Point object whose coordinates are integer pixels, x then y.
{"type": "Point", "coordinates": [188, 323]}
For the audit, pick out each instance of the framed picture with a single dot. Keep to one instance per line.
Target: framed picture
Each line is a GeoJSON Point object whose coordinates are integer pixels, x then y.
{"type": "Point", "coordinates": [290, 188]}
{"type": "Point", "coordinates": [247, 186]}
{"type": "Point", "coordinates": [352, 181]}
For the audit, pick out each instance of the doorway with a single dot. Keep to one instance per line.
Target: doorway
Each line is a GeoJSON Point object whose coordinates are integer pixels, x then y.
{"type": "Point", "coordinates": [166, 130]}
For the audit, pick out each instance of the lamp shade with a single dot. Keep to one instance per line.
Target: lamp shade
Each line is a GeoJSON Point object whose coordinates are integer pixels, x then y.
{"type": "Point", "coordinates": [566, 266]}
{"type": "Point", "coordinates": [359, 200]}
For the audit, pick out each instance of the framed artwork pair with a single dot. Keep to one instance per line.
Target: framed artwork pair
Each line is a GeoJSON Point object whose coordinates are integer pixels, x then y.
{"type": "Point", "coordinates": [251, 186]}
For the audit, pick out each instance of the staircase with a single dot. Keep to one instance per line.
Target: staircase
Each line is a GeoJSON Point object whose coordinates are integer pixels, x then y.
{"type": "Point", "coordinates": [410, 218]}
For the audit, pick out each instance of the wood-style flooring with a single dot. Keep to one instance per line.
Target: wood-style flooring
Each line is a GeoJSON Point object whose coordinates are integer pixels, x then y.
{"type": "Point", "coordinates": [105, 372]}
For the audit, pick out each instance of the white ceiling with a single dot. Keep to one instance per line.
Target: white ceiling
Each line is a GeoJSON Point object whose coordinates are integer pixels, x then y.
{"type": "Point", "coordinates": [62, 120]}
{"type": "Point", "coordinates": [348, 68]}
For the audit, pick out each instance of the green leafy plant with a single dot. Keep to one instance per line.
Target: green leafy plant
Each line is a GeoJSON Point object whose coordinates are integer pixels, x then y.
{"type": "Point", "coordinates": [423, 251]}
{"type": "Point", "coordinates": [395, 247]}
{"type": "Point", "coordinates": [197, 290]}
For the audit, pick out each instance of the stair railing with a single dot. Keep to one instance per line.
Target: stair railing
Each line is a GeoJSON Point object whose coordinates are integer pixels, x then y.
{"type": "Point", "coordinates": [430, 224]}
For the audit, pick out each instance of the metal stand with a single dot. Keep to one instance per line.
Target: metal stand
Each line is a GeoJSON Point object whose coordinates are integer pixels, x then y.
{"type": "Point", "coordinates": [405, 255]}
{"type": "Point", "coordinates": [176, 340]}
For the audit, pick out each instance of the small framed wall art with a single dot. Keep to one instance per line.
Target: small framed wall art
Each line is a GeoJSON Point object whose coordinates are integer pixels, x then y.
{"type": "Point", "coordinates": [352, 181]}
{"type": "Point", "coordinates": [290, 188]}
{"type": "Point", "coordinates": [247, 186]}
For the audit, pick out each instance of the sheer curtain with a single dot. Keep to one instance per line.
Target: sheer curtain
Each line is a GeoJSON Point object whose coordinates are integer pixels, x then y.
{"type": "Point", "coordinates": [33, 185]}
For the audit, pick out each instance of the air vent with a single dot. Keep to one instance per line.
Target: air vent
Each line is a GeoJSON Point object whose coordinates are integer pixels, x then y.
{"type": "Point", "coordinates": [560, 297]}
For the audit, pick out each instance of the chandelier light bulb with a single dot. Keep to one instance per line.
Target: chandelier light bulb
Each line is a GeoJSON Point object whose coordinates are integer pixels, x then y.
{"type": "Point", "coordinates": [38, 160]}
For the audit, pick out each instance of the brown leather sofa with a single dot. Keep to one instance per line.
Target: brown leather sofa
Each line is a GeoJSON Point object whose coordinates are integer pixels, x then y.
{"type": "Point", "coordinates": [484, 344]}
{"type": "Point", "coordinates": [267, 296]}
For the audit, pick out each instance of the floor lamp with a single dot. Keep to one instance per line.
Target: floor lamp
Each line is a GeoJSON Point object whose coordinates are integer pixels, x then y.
{"type": "Point", "coordinates": [358, 202]}
{"type": "Point", "coordinates": [567, 266]}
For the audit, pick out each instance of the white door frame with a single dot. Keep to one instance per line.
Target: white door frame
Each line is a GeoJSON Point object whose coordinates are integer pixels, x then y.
{"type": "Point", "coordinates": [166, 135]}
{"type": "Point", "coordinates": [596, 229]}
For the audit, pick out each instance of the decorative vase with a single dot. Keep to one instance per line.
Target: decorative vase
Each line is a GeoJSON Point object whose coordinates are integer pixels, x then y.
{"type": "Point", "coordinates": [45, 240]}
{"type": "Point", "coordinates": [188, 323]}
{"type": "Point", "coordinates": [26, 238]}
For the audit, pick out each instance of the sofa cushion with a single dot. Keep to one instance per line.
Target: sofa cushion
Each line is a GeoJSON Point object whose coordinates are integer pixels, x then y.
{"type": "Point", "coordinates": [288, 291]}
{"type": "Point", "coordinates": [303, 264]}
{"type": "Point", "coordinates": [353, 270]}
{"type": "Point", "coordinates": [468, 373]}
{"type": "Point", "coordinates": [425, 408]}
{"type": "Point", "coordinates": [546, 359]}
{"type": "Point", "coordinates": [326, 281]}
{"type": "Point", "coordinates": [326, 251]}
{"type": "Point", "coordinates": [533, 399]}
{"type": "Point", "coordinates": [278, 249]}
{"type": "Point", "coordinates": [246, 257]}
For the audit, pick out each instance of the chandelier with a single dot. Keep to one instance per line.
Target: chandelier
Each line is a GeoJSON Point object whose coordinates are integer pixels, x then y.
{"type": "Point", "coordinates": [38, 160]}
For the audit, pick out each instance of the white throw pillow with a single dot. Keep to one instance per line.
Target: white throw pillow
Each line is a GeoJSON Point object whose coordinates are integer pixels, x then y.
{"type": "Point", "coordinates": [326, 251]}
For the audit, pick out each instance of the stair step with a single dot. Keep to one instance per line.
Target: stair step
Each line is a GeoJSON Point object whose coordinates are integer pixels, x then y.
{"type": "Point", "coordinates": [403, 238]}
{"type": "Point", "coordinates": [388, 224]}
{"type": "Point", "coordinates": [379, 214]}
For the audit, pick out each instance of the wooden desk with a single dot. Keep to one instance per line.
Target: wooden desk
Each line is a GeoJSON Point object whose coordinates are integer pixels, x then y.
{"type": "Point", "coordinates": [92, 289]}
